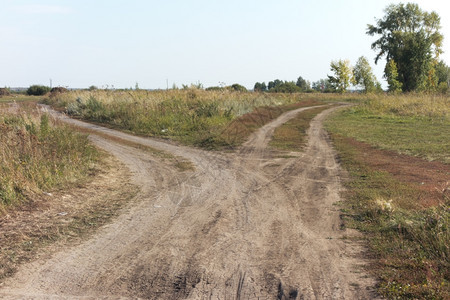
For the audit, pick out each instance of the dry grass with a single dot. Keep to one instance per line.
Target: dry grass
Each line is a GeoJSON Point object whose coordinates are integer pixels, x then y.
{"type": "Point", "coordinates": [38, 154]}
{"type": "Point", "coordinates": [192, 116]}
{"type": "Point", "coordinates": [238, 103]}
{"type": "Point", "coordinates": [55, 220]}
{"type": "Point", "coordinates": [410, 105]}
{"type": "Point", "coordinates": [54, 185]}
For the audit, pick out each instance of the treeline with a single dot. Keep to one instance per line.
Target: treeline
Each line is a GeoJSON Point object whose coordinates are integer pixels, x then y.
{"type": "Point", "coordinates": [280, 86]}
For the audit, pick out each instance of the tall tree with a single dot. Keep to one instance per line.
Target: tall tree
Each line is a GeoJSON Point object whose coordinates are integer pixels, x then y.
{"type": "Point", "coordinates": [303, 84]}
{"type": "Point", "coordinates": [260, 87]}
{"type": "Point", "coordinates": [274, 84]}
{"type": "Point", "coordinates": [411, 38]}
{"type": "Point", "coordinates": [363, 75]}
{"type": "Point", "coordinates": [342, 75]}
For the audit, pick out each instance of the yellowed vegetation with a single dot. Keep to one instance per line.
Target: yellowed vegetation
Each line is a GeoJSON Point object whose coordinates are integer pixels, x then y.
{"type": "Point", "coordinates": [37, 155]}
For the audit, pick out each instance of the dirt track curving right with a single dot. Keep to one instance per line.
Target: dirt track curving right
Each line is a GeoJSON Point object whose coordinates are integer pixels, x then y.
{"type": "Point", "coordinates": [245, 225]}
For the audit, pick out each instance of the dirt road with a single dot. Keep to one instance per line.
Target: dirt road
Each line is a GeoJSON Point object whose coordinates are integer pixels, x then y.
{"type": "Point", "coordinates": [245, 225]}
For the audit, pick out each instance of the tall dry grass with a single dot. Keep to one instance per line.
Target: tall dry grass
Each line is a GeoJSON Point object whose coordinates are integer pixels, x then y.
{"type": "Point", "coordinates": [192, 116]}
{"type": "Point", "coordinates": [410, 105]}
{"type": "Point", "coordinates": [238, 102]}
{"type": "Point", "coordinates": [38, 154]}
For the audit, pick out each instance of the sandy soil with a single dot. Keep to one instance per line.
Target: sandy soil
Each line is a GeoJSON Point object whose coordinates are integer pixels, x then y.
{"type": "Point", "coordinates": [247, 225]}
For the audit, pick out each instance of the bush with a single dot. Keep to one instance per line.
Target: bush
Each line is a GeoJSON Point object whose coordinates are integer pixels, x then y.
{"type": "Point", "coordinates": [286, 87]}
{"type": "Point", "coordinates": [38, 90]}
{"type": "Point", "coordinates": [4, 92]}
{"type": "Point", "coordinates": [59, 89]}
{"type": "Point", "coordinates": [215, 88]}
{"type": "Point", "coordinates": [238, 88]}
{"type": "Point", "coordinates": [443, 88]}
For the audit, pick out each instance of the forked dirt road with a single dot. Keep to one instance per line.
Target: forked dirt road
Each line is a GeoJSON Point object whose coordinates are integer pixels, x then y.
{"type": "Point", "coordinates": [245, 225]}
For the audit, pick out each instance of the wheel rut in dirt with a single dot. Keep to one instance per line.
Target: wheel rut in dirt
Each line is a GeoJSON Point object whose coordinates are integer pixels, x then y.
{"type": "Point", "coordinates": [244, 225]}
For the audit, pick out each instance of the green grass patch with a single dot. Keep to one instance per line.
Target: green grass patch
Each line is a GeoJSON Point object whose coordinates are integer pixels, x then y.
{"type": "Point", "coordinates": [291, 136]}
{"type": "Point", "coordinates": [409, 243]}
{"type": "Point", "coordinates": [425, 137]}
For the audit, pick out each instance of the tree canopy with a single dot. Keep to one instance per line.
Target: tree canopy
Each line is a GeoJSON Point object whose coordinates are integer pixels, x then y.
{"type": "Point", "coordinates": [260, 87]}
{"type": "Point", "coordinates": [303, 84]}
{"type": "Point", "coordinates": [342, 75]}
{"type": "Point", "coordinates": [411, 38]}
{"type": "Point", "coordinates": [364, 77]}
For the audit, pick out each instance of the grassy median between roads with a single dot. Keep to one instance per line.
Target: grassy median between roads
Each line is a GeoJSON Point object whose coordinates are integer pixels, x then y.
{"type": "Point", "coordinates": [395, 150]}
{"type": "Point", "coordinates": [208, 119]}
{"type": "Point", "coordinates": [292, 135]}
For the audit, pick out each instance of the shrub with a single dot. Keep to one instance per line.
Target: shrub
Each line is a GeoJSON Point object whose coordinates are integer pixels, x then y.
{"type": "Point", "coordinates": [238, 88]}
{"type": "Point", "coordinates": [59, 89]}
{"type": "Point", "coordinates": [215, 88]}
{"type": "Point", "coordinates": [38, 90]}
{"type": "Point", "coordinates": [4, 92]}
{"type": "Point", "coordinates": [286, 87]}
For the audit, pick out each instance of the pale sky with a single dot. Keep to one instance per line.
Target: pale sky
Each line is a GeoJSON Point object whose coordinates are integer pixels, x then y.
{"type": "Point", "coordinates": [121, 42]}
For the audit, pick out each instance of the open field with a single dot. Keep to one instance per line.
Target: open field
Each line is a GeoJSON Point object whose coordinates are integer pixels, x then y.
{"type": "Point", "coordinates": [237, 224]}
{"type": "Point", "coordinates": [277, 208]}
